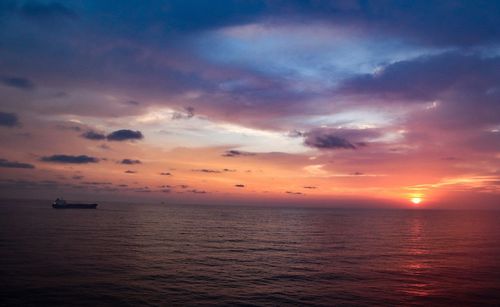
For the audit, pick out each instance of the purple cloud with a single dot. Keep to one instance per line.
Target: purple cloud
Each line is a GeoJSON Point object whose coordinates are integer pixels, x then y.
{"type": "Point", "coordinates": [19, 83]}
{"type": "Point", "coordinates": [60, 158]}
{"type": "Point", "coordinates": [9, 119]}
{"type": "Point", "coordinates": [124, 135]}
{"type": "Point", "coordinates": [92, 135]}
{"type": "Point", "coordinates": [130, 161]}
{"type": "Point", "coordinates": [14, 164]}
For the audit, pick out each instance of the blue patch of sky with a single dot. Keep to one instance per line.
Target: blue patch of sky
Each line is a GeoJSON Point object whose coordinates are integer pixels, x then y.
{"type": "Point", "coordinates": [314, 57]}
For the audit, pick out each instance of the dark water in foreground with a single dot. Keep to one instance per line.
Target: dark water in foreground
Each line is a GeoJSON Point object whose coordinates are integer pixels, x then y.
{"type": "Point", "coordinates": [162, 255]}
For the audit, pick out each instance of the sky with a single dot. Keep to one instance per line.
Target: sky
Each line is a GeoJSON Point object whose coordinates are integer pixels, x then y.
{"type": "Point", "coordinates": [311, 103]}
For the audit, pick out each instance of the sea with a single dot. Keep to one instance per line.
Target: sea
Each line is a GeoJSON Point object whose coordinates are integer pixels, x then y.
{"type": "Point", "coordinates": [187, 255]}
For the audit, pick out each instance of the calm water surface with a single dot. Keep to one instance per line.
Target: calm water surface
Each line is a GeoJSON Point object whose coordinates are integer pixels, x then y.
{"type": "Point", "coordinates": [186, 255]}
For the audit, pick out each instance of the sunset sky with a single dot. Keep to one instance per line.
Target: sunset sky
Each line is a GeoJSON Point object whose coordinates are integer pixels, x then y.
{"type": "Point", "coordinates": [316, 103]}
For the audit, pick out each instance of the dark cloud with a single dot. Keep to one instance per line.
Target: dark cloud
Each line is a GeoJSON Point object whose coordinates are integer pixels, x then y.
{"type": "Point", "coordinates": [130, 172]}
{"type": "Point", "coordinates": [92, 135]}
{"type": "Point", "coordinates": [206, 170]}
{"type": "Point", "coordinates": [214, 171]}
{"type": "Point", "coordinates": [357, 174]}
{"type": "Point", "coordinates": [187, 114]}
{"type": "Point", "coordinates": [294, 193]}
{"type": "Point", "coordinates": [42, 11]}
{"type": "Point", "coordinates": [132, 102]}
{"type": "Point", "coordinates": [195, 191]}
{"type": "Point", "coordinates": [239, 185]}
{"type": "Point", "coordinates": [130, 161]}
{"type": "Point", "coordinates": [20, 83]}
{"type": "Point", "coordinates": [9, 119]}
{"type": "Point", "coordinates": [96, 183]}
{"type": "Point", "coordinates": [427, 77]}
{"type": "Point", "coordinates": [166, 174]}
{"type": "Point", "coordinates": [14, 164]}
{"type": "Point", "coordinates": [339, 138]}
{"type": "Point", "coordinates": [327, 141]}
{"type": "Point", "coordinates": [69, 127]}
{"type": "Point", "coordinates": [81, 159]}
{"type": "Point", "coordinates": [310, 187]}
{"type": "Point", "coordinates": [237, 153]}
{"type": "Point", "coordinates": [432, 22]}
{"type": "Point", "coordinates": [77, 177]}
{"type": "Point", "coordinates": [124, 135]}
{"type": "Point", "coordinates": [462, 87]}
{"type": "Point", "coordinates": [296, 133]}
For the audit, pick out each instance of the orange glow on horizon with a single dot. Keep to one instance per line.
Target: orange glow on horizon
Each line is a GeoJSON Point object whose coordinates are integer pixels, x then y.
{"type": "Point", "coordinates": [416, 200]}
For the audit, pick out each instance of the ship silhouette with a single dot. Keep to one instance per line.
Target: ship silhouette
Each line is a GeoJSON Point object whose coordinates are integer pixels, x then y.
{"type": "Point", "coordinates": [60, 203]}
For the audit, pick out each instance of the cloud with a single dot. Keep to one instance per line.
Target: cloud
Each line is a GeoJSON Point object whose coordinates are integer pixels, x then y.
{"type": "Point", "coordinates": [195, 191]}
{"type": "Point", "coordinates": [237, 153]}
{"type": "Point", "coordinates": [96, 183]}
{"type": "Point", "coordinates": [130, 161]}
{"type": "Point", "coordinates": [457, 89]}
{"type": "Point", "coordinates": [60, 158]}
{"type": "Point", "coordinates": [214, 171]}
{"type": "Point", "coordinates": [130, 172]}
{"type": "Point", "coordinates": [206, 170]}
{"type": "Point", "coordinates": [327, 141]}
{"type": "Point", "coordinates": [310, 187]}
{"type": "Point", "coordinates": [42, 11]}
{"type": "Point", "coordinates": [92, 135]}
{"type": "Point", "coordinates": [14, 164]}
{"type": "Point", "coordinates": [9, 119]}
{"type": "Point", "coordinates": [124, 135]}
{"type": "Point", "coordinates": [239, 185]}
{"type": "Point", "coordinates": [426, 77]}
{"type": "Point", "coordinates": [166, 174]}
{"type": "Point", "coordinates": [69, 127]}
{"type": "Point", "coordinates": [132, 102]}
{"type": "Point", "coordinates": [340, 138]}
{"type": "Point", "coordinates": [296, 133]}
{"type": "Point", "coordinates": [187, 114]}
{"type": "Point", "coordinates": [467, 23]}
{"type": "Point", "coordinates": [294, 193]}
{"type": "Point", "coordinates": [119, 135]}
{"type": "Point", "coordinates": [19, 83]}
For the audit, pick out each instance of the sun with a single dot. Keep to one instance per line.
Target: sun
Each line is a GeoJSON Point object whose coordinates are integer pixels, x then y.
{"type": "Point", "coordinates": [416, 200]}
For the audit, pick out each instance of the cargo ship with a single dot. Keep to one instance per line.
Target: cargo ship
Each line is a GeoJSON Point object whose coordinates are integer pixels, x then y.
{"type": "Point", "coordinates": [62, 204]}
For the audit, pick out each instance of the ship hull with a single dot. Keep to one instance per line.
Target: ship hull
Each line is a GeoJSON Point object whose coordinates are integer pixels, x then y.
{"type": "Point", "coordinates": [74, 206]}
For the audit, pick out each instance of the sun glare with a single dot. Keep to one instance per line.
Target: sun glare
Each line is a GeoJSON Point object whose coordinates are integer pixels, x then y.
{"type": "Point", "coordinates": [416, 200]}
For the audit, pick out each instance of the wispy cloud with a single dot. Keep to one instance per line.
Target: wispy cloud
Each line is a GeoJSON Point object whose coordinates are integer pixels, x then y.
{"type": "Point", "coordinates": [15, 164]}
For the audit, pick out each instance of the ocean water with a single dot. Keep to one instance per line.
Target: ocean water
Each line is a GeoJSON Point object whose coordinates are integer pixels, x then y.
{"type": "Point", "coordinates": [134, 255]}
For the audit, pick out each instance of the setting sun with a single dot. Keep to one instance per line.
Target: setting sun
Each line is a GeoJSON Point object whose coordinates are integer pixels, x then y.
{"type": "Point", "coordinates": [416, 200]}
